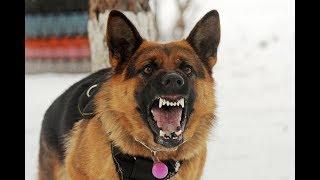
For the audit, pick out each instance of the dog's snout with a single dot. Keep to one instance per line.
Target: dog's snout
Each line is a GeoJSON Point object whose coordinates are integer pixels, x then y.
{"type": "Point", "coordinates": [172, 80]}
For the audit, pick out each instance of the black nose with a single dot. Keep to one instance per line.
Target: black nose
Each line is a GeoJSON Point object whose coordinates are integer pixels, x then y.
{"type": "Point", "coordinates": [172, 80]}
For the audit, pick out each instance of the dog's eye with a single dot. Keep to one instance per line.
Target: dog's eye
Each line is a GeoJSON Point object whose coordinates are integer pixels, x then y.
{"type": "Point", "coordinates": [187, 70]}
{"type": "Point", "coordinates": [148, 70]}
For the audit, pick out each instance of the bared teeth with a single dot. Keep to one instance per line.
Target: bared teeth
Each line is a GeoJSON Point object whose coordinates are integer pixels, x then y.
{"type": "Point", "coordinates": [163, 102]}
{"type": "Point", "coordinates": [170, 135]}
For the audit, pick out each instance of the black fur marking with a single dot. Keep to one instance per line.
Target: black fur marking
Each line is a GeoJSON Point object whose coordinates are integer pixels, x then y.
{"type": "Point", "coordinates": [167, 50]}
{"type": "Point", "coordinates": [63, 112]}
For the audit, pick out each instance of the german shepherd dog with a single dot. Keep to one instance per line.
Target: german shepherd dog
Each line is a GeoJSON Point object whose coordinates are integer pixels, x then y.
{"type": "Point", "coordinates": [146, 117]}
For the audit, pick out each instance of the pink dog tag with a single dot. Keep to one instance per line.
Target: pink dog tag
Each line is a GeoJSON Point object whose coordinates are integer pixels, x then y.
{"type": "Point", "coordinates": [159, 170]}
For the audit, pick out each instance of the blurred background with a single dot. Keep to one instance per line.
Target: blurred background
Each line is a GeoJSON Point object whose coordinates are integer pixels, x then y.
{"type": "Point", "coordinates": [56, 36]}
{"type": "Point", "coordinates": [253, 138]}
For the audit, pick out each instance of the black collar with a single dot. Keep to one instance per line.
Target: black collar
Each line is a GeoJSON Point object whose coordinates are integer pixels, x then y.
{"type": "Point", "coordinates": [139, 168]}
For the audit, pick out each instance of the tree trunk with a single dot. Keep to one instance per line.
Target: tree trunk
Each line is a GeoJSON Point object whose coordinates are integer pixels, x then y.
{"type": "Point", "coordinates": [139, 13]}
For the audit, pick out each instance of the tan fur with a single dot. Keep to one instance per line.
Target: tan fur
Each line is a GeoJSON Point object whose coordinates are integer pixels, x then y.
{"type": "Point", "coordinates": [117, 121]}
{"type": "Point", "coordinates": [89, 153]}
{"type": "Point", "coordinates": [50, 166]}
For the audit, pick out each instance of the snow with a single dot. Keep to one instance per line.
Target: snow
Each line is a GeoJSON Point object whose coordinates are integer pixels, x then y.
{"type": "Point", "coordinates": [255, 131]}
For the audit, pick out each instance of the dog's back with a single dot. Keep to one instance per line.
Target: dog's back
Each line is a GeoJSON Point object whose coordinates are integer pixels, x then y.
{"type": "Point", "coordinates": [59, 120]}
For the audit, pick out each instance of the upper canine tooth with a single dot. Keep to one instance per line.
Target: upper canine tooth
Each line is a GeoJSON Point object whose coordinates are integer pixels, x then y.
{"type": "Point", "coordinates": [181, 102]}
{"type": "Point", "coordinates": [160, 102]}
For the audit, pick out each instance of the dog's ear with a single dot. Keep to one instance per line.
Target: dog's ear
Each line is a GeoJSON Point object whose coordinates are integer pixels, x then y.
{"type": "Point", "coordinates": [123, 39]}
{"type": "Point", "coordinates": [205, 38]}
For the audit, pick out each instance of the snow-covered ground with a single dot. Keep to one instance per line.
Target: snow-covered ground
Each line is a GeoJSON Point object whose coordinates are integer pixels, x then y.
{"type": "Point", "coordinates": [254, 136]}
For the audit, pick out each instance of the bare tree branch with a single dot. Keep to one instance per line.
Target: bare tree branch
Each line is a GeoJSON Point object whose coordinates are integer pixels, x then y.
{"type": "Point", "coordinates": [180, 24]}
{"type": "Point", "coordinates": [155, 3]}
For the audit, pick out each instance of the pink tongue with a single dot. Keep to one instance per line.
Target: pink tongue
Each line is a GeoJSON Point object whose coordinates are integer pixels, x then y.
{"type": "Point", "coordinates": [167, 118]}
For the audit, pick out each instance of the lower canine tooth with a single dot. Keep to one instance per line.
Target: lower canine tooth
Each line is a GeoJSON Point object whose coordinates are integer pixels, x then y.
{"type": "Point", "coordinates": [178, 132]}
{"type": "Point", "coordinates": [161, 133]}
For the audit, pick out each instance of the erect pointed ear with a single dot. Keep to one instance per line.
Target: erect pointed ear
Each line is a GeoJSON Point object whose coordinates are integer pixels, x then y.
{"type": "Point", "coordinates": [123, 39]}
{"type": "Point", "coordinates": [205, 38]}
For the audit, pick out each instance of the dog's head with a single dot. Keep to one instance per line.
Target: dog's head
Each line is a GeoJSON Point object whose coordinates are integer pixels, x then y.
{"type": "Point", "coordinates": [161, 94]}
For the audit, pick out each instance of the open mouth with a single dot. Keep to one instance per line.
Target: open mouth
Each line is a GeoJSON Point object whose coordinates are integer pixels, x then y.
{"type": "Point", "coordinates": [167, 120]}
